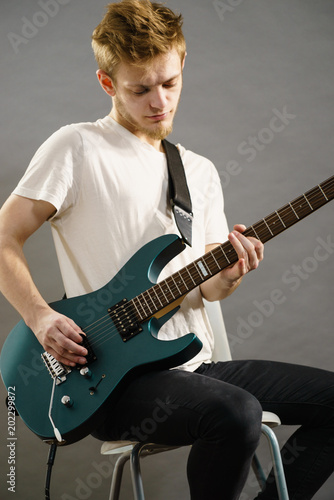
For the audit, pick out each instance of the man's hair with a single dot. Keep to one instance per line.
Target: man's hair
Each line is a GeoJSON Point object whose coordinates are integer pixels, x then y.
{"type": "Point", "coordinates": [136, 31]}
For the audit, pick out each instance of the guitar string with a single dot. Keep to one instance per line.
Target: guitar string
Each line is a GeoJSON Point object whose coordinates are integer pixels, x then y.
{"type": "Point", "coordinates": [311, 196]}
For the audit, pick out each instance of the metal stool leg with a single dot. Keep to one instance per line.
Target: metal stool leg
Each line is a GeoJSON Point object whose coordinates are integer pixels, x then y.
{"type": "Point", "coordinates": [137, 482]}
{"type": "Point", "coordinates": [258, 471]}
{"type": "Point", "coordinates": [277, 462]}
{"type": "Point", "coordinates": [117, 476]}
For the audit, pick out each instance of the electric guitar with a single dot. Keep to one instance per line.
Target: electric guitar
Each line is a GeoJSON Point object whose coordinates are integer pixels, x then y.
{"type": "Point", "coordinates": [121, 322]}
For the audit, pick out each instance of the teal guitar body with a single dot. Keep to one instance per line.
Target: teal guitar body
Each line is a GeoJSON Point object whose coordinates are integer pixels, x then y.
{"type": "Point", "coordinates": [120, 344]}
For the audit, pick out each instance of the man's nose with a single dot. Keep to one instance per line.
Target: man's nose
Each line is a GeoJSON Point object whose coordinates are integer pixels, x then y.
{"type": "Point", "coordinates": [159, 98]}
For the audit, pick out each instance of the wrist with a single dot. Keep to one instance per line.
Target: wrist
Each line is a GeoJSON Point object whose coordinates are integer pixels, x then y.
{"type": "Point", "coordinates": [34, 313]}
{"type": "Point", "coordinates": [219, 287]}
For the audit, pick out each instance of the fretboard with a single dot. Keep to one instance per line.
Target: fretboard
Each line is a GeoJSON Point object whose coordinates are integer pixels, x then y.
{"type": "Point", "coordinates": [189, 277]}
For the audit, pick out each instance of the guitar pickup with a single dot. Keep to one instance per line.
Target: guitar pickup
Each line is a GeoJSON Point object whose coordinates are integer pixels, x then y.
{"type": "Point", "coordinates": [124, 317]}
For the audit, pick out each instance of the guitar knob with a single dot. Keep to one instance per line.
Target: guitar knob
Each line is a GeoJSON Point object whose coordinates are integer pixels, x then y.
{"type": "Point", "coordinates": [85, 372]}
{"type": "Point", "coordinates": [67, 401]}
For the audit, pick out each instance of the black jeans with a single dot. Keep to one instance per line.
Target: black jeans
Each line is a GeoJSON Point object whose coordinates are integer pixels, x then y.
{"type": "Point", "coordinates": [218, 410]}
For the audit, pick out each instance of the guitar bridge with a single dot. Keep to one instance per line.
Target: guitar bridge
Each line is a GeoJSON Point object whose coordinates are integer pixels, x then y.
{"type": "Point", "coordinates": [57, 370]}
{"type": "Point", "coordinates": [124, 317]}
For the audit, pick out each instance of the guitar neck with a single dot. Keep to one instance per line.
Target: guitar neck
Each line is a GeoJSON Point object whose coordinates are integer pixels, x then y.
{"type": "Point", "coordinates": [189, 277]}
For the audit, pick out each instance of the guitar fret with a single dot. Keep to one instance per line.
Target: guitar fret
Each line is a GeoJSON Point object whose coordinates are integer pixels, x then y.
{"type": "Point", "coordinates": [192, 279]}
{"type": "Point", "coordinates": [140, 302]}
{"type": "Point", "coordinates": [264, 220]}
{"type": "Point", "coordinates": [153, 289]}
{"type": "Point", "coordinates": [179, 283]}
{"type": "Point", "coordinates": [167, 291]}
{"type": "Point", "coordinates": [151, 298]}
{"type": "Point", "coordinates": [228, 260]}
{"type": "Point", "coordinates": [294, 211]}
{"type": "Point", "coordinates": [309, 204]}
{"type": "Point", "coordinates": [176, 285]}
{"type": "Point", "coordinates": [134, 303]}
{"type": "Point", "coordinates": [258, 237]}
{"type": "Point", "coordinates": [275, 225]}
{"type": "Point", "coordinates": [185, 284]}
{"type": "Point", "coordinates": [280, 219]}
{"type": "Point", "coordinates": [260, 230]}
{"type": "Point", "coordinates": [228, 254]}
{"type": "Point", "coordinates": [199, 279]}
{"type": "Point", "coordinates": [322, 192]}
{"type": "Point", "coordinates": [211, 253]}
{"type": "Point", "coordinates": [206, 264]}
{"type": "Point", "coordinates": [163, 293]}
{"type": "Point", "coordinates": [169, 287]}
{"type": "Point", "coordinates": [148, 306]}
{"type": "Point", "coordinates": [146, 309]}
{"type": "Point", "coordinates": [215, 267]}
{"type": "Point", "coordinates": [317, 197]}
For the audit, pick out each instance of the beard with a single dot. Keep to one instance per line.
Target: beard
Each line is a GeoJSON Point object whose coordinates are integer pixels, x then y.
{"type": "Point", "coordinates": [159, 132]}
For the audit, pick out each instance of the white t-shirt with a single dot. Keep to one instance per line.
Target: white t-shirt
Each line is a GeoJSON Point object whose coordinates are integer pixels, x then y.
{"type": "Point", "coordinates": [110, 191]}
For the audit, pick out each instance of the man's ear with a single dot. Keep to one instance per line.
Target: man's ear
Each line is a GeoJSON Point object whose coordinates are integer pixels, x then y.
{"type": "Point", "coordinates": [106, 82]}
{"type": "Point", "coordinates": [184, 60]}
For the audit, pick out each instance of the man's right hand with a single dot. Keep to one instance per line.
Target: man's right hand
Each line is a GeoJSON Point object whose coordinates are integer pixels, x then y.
{"type": "Point", "coordinates": [60, 337]}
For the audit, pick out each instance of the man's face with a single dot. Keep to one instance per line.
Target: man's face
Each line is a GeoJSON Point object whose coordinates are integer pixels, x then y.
{"type": "Point", "coordinates": [146, 99]}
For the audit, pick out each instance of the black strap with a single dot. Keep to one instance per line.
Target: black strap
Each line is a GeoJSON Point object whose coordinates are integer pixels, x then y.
{"type": "Point", "coordinates": [178, 191]}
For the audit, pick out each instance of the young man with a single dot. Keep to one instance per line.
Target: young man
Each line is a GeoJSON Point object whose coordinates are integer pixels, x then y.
{"type": "Point", "coordinates": [103, 187]}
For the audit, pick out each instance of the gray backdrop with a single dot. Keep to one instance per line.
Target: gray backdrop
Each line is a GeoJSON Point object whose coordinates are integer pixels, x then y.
{"type": "Point", "coordinates": [248, 62]}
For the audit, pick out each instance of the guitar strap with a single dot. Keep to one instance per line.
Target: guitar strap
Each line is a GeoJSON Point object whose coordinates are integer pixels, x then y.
{"type": "Point", "coordinates": [178, 192]}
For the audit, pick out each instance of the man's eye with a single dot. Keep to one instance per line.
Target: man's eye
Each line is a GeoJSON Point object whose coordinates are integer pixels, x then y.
{"type": "Point", "coordinates": [141, 92]}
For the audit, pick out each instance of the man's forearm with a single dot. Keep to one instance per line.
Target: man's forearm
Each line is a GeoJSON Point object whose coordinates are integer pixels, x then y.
{"type": "Point", "coordinates": [16, 283]}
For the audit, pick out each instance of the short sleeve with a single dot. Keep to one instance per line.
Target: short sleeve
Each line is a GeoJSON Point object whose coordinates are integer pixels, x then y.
{"type": "Point", "coordinates": [52, 175]}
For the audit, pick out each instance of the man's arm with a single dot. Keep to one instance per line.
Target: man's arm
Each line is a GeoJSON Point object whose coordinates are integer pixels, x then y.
{"type": "Point", "coordinates": [19, 219]}
{"type": "Point", "coordinates": [250, 253]}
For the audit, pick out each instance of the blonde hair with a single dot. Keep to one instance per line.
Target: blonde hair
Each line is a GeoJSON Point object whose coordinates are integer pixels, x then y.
{"type": "Point", "coordinates": [136, 31]}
